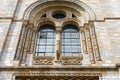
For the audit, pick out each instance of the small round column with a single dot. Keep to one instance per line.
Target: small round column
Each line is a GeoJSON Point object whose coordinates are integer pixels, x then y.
{"type": "Point", "coordinates": [58, 45]}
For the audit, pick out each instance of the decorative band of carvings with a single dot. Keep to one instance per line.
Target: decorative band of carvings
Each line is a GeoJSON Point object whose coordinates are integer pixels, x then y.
{"type": "Point", "coordinates": [72, 60]}
{"type": "Point", "coordinates": [56, 74]}
{"type": "Point", "coordinates": [38, 60]}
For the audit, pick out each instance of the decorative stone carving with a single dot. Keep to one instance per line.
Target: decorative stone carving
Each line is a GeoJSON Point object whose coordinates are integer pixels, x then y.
{"type": "Point", "coordinates": [73, 60]}
{"type": "Point", "coordinates": [62, 75]}
{"type": "Point", "coordinates": [58, 78]}
{"type": "Point", "coordinates": [43, 60]}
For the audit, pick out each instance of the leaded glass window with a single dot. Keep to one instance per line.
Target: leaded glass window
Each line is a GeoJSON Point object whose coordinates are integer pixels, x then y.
{"type": "Point", "coordinates": [71, 45]}
{"type": "Point", "coordinates": [45, 41]}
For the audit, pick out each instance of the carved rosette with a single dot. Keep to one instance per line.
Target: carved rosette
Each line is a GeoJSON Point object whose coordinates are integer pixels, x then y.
{"type": "Point", "coordinates": [76, 60]}
{"type": "Point", "coordinates": [42, 60]}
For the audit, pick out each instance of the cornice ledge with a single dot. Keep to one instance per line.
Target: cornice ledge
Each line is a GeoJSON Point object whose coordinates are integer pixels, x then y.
{"type": "Point", "coordinates": [58, 67]}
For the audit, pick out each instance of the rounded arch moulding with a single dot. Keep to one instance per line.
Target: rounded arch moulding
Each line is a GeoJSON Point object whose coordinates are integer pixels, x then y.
{"type": "Point", "coordinates": [38, 8]}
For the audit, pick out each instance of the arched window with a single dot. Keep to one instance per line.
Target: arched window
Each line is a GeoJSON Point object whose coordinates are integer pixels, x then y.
{"type": "Point", "coordinates": [45, 41]}
{"type": "Point", "coordinates": [71, 45]}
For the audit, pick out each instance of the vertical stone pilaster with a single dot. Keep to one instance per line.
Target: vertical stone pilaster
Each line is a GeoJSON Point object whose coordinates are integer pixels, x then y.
{"type": "Point", "coordinates": [21, 43]}
{"type": "Point", "coordinates": [31, 46]}
{"type": "Point", "coordinates": [17, 55]}
{"type": "Point", "coordinates": [89, 44]}
{"type": "Point", "coordinates": [26, 45]}
{"type": "Point", "coordinates": [94, 41]}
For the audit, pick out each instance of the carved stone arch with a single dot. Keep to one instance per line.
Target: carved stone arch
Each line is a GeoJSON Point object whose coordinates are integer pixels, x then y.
{"type": "Point", "coordinates": [78, 5]}
{"type": "Point", "coordinates": [71, 21]}
{"type": "Point", "coordinates": [43, 22]}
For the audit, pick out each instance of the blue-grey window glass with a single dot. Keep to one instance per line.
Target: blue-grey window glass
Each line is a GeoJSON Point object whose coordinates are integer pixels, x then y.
{"type": "Point", "coordinates": [71, 45]}
{"type": "Point", "coordinates": [59, 16]}
{"type": "Point", "coordinates": [45, 41]}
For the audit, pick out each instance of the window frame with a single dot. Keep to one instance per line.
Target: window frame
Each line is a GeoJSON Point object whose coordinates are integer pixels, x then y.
{"type": "Point", "coordinates": [45, 29]}
{"type": "Point", "coordinates": [70, 29]}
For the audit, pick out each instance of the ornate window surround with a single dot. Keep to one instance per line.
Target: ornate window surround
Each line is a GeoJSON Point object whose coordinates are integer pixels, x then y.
{"type": "Point", "coordinates": [29, 29]}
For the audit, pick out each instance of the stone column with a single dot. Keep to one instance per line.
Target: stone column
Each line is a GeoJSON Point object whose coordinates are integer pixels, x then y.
{"type": "Point", "coordinates": [58, 44]}
{"type": "Point", "coordinates": [94, 41]}
{"type": "Point", "coordinates": [30, 38]}
{"type": "Point", "coordinates": [83, 40]}
{"type": "Point", "coordinates": [89, 44]}
{"type": "Point", "coordinates": [33, 41]}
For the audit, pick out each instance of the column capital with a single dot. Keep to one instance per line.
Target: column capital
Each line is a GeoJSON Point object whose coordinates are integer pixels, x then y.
{"type": "Point", "coordinates": [25, 22]}
{"type": "Point", "coordinates": [82, 29]}
{"type": "Point", "coordinates": [58, 30]}
{"type": "Point", "coordinates": [87, 26]}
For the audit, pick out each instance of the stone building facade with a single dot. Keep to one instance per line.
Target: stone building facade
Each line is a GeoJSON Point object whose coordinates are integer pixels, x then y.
{"type": "Point", "coordinates": [26, 25]}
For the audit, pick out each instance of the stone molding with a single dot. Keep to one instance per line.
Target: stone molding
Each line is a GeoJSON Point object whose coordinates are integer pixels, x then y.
{"type": "Point", "coordinates": [78, 4]}
{"type": "Point", "coordinates": [56, 74]}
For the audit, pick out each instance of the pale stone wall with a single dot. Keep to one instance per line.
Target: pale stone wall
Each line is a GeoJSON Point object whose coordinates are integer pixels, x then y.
{"type": "Point", "coordinates": [102, 8]}
{"type": "Point", "coordinates": [10, 45]}
{"type": "Point", "coordinates": [108, 34]}
{"type": "Point", "coordinates": [107, 31]}
{"type": "Point", "coordinates": [7, 8]}
{"type": "Point", "coordinates": [4, 28]}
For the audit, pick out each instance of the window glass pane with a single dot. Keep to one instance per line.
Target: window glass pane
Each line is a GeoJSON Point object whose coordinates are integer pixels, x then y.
{"type": "Point", "coordinates": [71, 41]}
{"type": "Point", "coordinates": [43, 35]}
{"type": "Point", "coordinates": [41, 48]}
{"type": "Point", "coordinates": [63, 41]}
{"type": "Point", "coordinates": [68, 54]}
{"type": "Point", "coordinates": [49, 48]}
{"type": "Point", "coordinates": [75, 49]}
{"type": "Point", "coordinates": [68, 41]}
{"type": "Point", "coordinates": [46, 41]}
{"type": "Point", "coordinates": [50, 35]}
{"type": "Point", "coordinates": [67, 48]}
{"type": "Point", "coordinates": [49, 41]}
{"type": "Point", "coordinates": [67, 35]}
{"type": "Point", "coordinates": [75, 42]}
{"type": "Point", "coordinates": [63, 48]}
{"type": "Point", "coordinates": [74, 35]}
{"type": "Point", "coordinates": [49, 54]}
{"type": "Point", "coordinates": [42, 41]}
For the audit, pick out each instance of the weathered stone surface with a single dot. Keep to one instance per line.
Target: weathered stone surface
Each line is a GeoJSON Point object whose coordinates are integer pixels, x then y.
{"type": "Point", "coordinates": [105, 16]}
